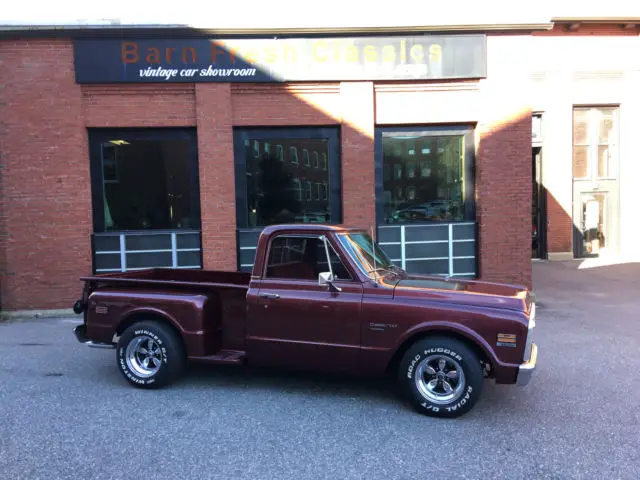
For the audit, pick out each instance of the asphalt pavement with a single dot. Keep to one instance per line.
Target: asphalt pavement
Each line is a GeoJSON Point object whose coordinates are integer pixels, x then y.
{"type": "Point", "coordinates": [66, 412]}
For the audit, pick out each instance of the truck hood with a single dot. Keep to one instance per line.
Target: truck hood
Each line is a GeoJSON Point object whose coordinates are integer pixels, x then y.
{"type": "Point", "coordinates": [464, 292]}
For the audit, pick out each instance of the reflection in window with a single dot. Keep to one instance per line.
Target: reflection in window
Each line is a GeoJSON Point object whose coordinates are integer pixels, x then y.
{"type": "Point", "coordinates": [284, 192]}
{"type": "Point", "coordinates": [293, 155]}
{"type": "Point", "coordinates": [411, 169]}
{"type": "Point", "coordinates": [298, 188]}
{"type": "Point", "coordinates": [594, 226]}
{"type": "Point", "coordinates": [146, 184]}
{"type": "Point", "coordinates": [594, 142]}
{"type": "Point", "coordinates": [433, 188]}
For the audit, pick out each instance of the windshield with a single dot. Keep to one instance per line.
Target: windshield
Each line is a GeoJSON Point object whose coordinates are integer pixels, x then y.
{"type": "Point", "coordinates": [361, 248]}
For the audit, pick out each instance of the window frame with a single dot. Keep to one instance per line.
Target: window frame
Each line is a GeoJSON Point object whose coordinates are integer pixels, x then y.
{"type": "Point", "coordinates": [432, 131]}
{"type": "Point", "coordinates": [593, 142]}
{"type": "Point", "coordinates": [330, 134]}
{"type": "Point", "coordinates": [96, 136]}
{"type": "Point", "coordinates": [347, 266]}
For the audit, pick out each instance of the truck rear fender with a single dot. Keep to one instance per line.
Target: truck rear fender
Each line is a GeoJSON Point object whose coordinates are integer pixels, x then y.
{"type": "Point", "coordinates": [193, 318]}
{"type": "Point", "coordinates": [140, 314]}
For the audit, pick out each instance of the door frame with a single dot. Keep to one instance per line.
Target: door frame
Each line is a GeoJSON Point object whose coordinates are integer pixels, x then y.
{"type": "Point", "coordinates": [612, 215]}
{"type": "Point", "coordinates": [541, 214]}
{"type": "Point", "coordinates": [312, 353]}
{"type": "Point", "coordinates": [592, 184]}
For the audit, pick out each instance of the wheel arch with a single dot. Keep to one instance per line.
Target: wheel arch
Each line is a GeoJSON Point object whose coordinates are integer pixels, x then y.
{"type": "Point", "coordinates": [481, 353]}
{"type": "Point", "coordinates": [149, 316]}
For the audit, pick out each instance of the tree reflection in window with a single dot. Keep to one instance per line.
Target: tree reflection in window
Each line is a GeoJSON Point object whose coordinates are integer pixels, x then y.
{"type": "Point", "coordinates": [288, 191]}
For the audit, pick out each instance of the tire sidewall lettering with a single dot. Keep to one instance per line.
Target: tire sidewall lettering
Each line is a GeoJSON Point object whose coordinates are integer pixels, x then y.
{"type": "Point", "coordinates": [430, 351]}
{"type": "Point", "coordinates": [426, 404]}
{"type": "Point", "coordinates": [123, 364]}
{"type": "Point", "coordinates": [462, 401]}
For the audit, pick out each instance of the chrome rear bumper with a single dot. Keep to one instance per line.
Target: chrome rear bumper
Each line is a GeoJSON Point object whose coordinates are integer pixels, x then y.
{"type": "Point", "coordinates": [80, 333]}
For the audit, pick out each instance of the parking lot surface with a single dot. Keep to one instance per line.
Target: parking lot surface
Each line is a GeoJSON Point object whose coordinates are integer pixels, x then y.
{"type": "Point", "coordinates": [68, 413]}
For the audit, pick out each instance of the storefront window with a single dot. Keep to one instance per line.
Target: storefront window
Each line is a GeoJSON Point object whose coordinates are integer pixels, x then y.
{"type": "Point", "coordinates": [289, 191]}
{"type": "Point", "coordinates": [144, 180]}
{"type": "Point", "coordinates": [432, 176]}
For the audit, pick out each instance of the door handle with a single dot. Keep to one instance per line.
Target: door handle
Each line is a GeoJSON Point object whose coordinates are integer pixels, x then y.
{"type": "Point", "coordinates": [269, 295]}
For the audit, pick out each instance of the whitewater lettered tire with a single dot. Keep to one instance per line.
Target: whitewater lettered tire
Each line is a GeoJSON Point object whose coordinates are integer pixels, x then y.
{"type": "Point", "coordinates": [150, 354]}
{"type": "Point", "coordinates": [441, 377]}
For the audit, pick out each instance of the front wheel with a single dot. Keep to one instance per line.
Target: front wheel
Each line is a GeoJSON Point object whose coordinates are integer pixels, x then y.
{"type": "Point", "coordinates": [442, 377]}
{"type": "Point", "coordinates": [150, 355]}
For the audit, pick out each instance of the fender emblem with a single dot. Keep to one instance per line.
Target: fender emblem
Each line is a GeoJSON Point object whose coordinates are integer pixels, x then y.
{"type": "Point", "coordinates": [101, 310]}
{"type": "Point", "coordinates": [506, 340]}
{"type": "Point", "coordinates": [381, 326]}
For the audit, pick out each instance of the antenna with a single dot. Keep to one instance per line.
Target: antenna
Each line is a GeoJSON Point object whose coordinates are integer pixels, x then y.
{"type": "Point", "coordinates": [375, 269]}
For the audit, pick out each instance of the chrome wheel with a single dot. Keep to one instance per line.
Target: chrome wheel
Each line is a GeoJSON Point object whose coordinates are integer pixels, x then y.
{"type": "Point", "coordinates": [440, 379]}
{"type": "Point", "coordinates": [143, 356]}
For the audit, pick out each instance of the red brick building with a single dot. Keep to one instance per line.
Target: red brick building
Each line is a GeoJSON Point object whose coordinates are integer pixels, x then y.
{"type": "Point", "coordinates": [426, 138]}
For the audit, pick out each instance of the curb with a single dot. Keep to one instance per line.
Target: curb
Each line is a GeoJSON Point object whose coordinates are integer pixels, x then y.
{"type": "Point", "coordinates": [20, 315]}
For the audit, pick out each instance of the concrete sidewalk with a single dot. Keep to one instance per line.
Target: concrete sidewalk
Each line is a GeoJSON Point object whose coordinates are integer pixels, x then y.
{"type": "Point", "coordinates": [586, 287]}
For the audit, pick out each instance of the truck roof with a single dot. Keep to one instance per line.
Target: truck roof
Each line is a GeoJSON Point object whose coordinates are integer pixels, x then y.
{"type": "Point", "coordinates": [309, 227]}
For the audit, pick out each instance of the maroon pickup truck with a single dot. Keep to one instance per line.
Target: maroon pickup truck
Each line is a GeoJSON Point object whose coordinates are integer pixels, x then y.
{"type": "Point", "coordinates": [319, 298]}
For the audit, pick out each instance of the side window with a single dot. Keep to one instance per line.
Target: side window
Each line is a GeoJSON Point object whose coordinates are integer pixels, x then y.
{"type": "Point", "coordinates": [302, 258]}
{"type": "Point", "coordinates": [340, 272]}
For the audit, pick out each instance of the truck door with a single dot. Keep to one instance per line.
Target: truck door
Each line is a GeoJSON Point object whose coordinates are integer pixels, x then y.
{"type": "Point", "coordinates": [295, 321]}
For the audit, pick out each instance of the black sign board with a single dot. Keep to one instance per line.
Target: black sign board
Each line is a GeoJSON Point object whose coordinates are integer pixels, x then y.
{"type": "Point", "coordinates": [280, 60]}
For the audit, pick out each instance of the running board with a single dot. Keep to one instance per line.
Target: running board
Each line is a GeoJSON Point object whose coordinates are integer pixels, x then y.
{"type": "Point", "coordinates": [233, 357]}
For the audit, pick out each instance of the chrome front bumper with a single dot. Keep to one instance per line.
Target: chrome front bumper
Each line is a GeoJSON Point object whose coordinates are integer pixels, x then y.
{"type": "Point", "coordinates": [525, 370]}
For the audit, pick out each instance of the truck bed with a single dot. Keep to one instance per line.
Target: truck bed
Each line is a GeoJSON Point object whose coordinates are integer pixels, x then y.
{"type": "Point", "coordinates": [175, 277]}
{"type": "Point", "coordinates": [223, 322]}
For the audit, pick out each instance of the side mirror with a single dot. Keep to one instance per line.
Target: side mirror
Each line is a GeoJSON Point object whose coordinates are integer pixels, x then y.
{"type": "Point", "coordinates": [326, 278]}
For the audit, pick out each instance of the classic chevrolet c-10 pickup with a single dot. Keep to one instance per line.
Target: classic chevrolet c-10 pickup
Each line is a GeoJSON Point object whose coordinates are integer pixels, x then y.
{"type": "Point", "coordinates": [319, 298]}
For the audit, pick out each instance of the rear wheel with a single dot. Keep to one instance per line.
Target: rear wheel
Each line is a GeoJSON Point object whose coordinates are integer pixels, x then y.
{"type": "Point", "coordinates": [150, 354]}
{"type": "Point", "coordinates": [442, 377]}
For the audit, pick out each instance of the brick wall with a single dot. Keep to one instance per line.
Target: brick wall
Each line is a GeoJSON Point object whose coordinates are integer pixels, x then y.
{"type": "Point", "coordinates": [559, 227]}
{"type": "Point", "coordinates": [281, 105]}
{"type": "Point", "coordinates": [139, 105]}
{"type": "Point", "coordinates": [46, 199]}
{"type": "Point", "coordinates": [504, 194]}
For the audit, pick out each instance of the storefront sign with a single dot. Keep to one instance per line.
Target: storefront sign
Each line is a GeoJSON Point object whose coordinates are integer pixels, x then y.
{"type": "Point", "coordinates": [280, 60]}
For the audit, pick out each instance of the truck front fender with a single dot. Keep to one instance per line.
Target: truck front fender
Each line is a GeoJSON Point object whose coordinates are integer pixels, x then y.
{"type": "Point", "coordinates": [455, 330]}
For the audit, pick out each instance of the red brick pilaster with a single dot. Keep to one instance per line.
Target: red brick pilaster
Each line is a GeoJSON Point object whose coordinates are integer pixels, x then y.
{"type": "Point", "coordinates": [358, 173]}
{"type": "Point", "coordinates": [216, 164]}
